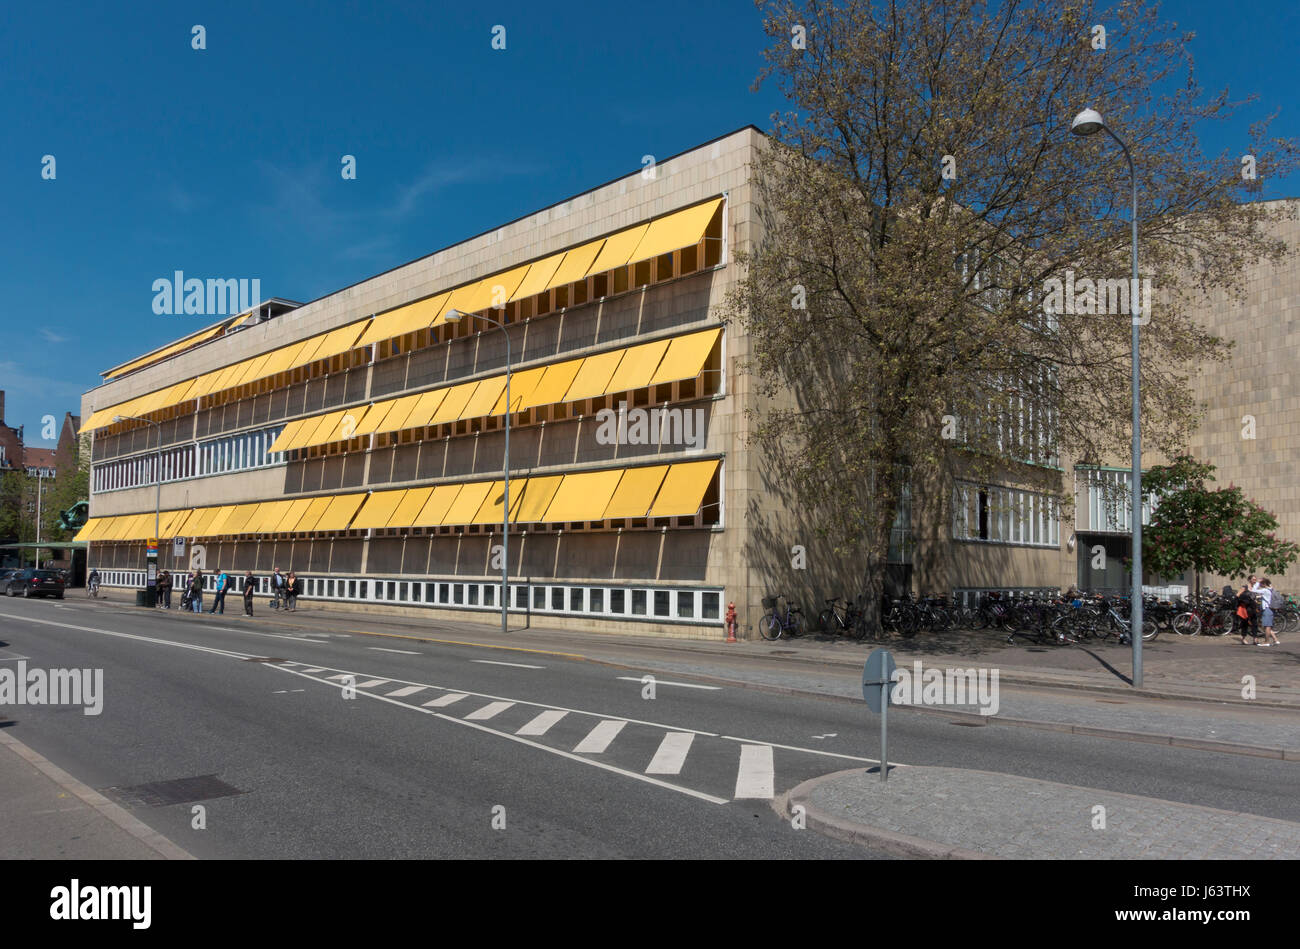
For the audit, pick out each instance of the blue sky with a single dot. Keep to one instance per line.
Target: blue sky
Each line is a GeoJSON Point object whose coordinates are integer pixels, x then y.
{"type": "Point", "coordinates": [225, 162]}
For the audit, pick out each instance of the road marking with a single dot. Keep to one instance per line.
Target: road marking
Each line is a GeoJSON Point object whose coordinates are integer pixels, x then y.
{"type": "Point", "coordinates": [684, 685]}
{"type": "Point", "coordinates": [286, 691]}
{"type": "Point", "coordinates": [542, 723]}
{"type": "Point", "coordinates": [755, 779]}
{"type": "Point", "coordinates": [371, 683]}
{"type": "Point", "coordinates": [444, 700]}
{"type": "Point", "coordinates": [313, 669]}
{"type": "Point", "coordinates": [598, 738]}
{"type": "Point", "coordinates": [811, 751]}
{"type": "Point", "coordinates": [517, 665]}
{"type": "Point", "coordinates": [404, 652]}
{"type": "Point", "coordinates": [409, 690]}
{"type": "Point", "coordinates": [340, 678]}
{"type": "Point", "coordinates": [491, 710]}
{"type": "Point", "coordinates": [671, 754]}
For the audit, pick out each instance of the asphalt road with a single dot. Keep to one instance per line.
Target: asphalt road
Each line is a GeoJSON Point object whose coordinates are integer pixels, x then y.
{"type": "Point", "coordinates": [355, 746]}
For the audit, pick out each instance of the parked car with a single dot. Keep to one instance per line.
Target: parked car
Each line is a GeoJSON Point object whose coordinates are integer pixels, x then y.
{"type": "Point", "coordinates": [32, 582]}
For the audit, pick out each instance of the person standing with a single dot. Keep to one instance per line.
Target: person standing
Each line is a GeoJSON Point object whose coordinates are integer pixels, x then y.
{"type": "Point", "coordinates": [277, 589]}
{"type": "Point", "coordinates": [1268, 597]}
{"type": "Point", "coordinates": [196, 591]}
{"type": "Point", "coordinates": [1248, 612]}
{"type": "Point", "coordinates": [165, 590]}
{"type": "Point", "coordinates": [293, 590]}
{"type": "Point", "coordinates": [250, 587]}
{"type": "Point", "coordinates": [223, 587]}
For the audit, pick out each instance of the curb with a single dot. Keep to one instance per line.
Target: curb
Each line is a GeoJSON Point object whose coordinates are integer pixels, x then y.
{"type": "Point", "coordinates": [865, 835]}
{"type": "Point", "coordinates": [100, 804]}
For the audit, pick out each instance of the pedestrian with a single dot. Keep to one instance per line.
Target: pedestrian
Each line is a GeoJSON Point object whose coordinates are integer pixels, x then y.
{"type": "Point", "coordinates": [196, 590]}
{"type": "Point", "coordinates": [1248, 611]}
{"type": "Point", "coordinates": [278, 585]}
{"type": "Point", "coordinates": [1269, 597]}
{"type": "Point", "coordinates": [250, 587]}
{"type": "Point", "coordinates": [223, 587]}
{"type": "Point", "coordinates": [164, 591]}
{"type": "Point", "coordinates": [293, 590]}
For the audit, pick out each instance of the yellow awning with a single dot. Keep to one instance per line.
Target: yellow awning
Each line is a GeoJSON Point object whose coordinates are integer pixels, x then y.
{"type": "Point", "coordinates": [280, 359]}
{"type": "Point", "coordinates": [618, 249]}
{"type": "Point", "coordinates": [536, 498]}
{"type": "Point", "coordinates": [675, 231]}
{"type": "Point", "coordinates": [373, 420]}
{"type": "Point", "coordinates": [217, 526]}
{"type": "Point", "coordinates": [167, 522]}
{"type": "Point", "coordinates": [454, 402]}
{"type": "Point", "coordinates": [636, 492]}
{"type": "Point", "coordinates": [575, 265]}
{"type": "Point", "coordinates": [327, 429]}
{"type": "Point", "coordinates": [199, 521]}
{"type": "Point", "coordinates": [584, 496]}
{"type": "Point", "coordinates": [538, 278]}
{"type": "Point", "coordinates": [184, 343]}
{"type": "Point", "coordinates": [97, 419]}
{"type": "Point", "coordinates": [686, 356]}
{"type": "Point", "coordinates": [223, 381]}
{"type": "Point", "coordinates": [341, 340]}
{"type": "Point", "coordinates": [593, 378]}
{"type": "Point", "coordinates": [486, 395]}
{"type": "Point", "coordinates": [465, 299]}
{"type": "Point", "coordinates": [252, 370]}
{"type": "Point", "coordinates": [426, 408]}
{"type": "Point", "coordinates": [521, 386]}
{"type": "Point", "coordinates": [181, 396]}
{"type": "Point", "coordinates": [683, 489]}
{"type": "Point", "coordinates": [179, 526]}
{"type": "Point", "coordinates": [492, 510]}
{"type": "Point", "coordinates": [310, 516]}
{"type": "Point", "coordinates": [409, 509]}
{"type": "Point", "coordinates": [637, 367]}
{"type": "Point", "coordinates": [405, 319]}
{"type": "Point", "coordinates": [554, 384]}
{"type": "Point", "coordinates": [378, 509]}
{"type": "Point", "coordinates": [267, 518]}
{"type": "Point", "coordinates": [338, 515]}
{"type": "Point", "coordinates": [435, 509]}
{"type": "Point", "coordinates": [291, 516]}
{"type": "Point", "coordinates": [502, 287]}
{"type": "Point", "coordinates": [287, 435]}
{"type": "Point", "coordinates": [88, 529]}
{"type": "Point", "coordinates": [396, 418]}
{"type": "Point", "coordinates": [112, 527]}
{"type": "Point", "coordinates": [243, 516]}
{"type": "Point", "coordinates": [203, 384]}
{"type": "Point", "coordinates": [467, 503]}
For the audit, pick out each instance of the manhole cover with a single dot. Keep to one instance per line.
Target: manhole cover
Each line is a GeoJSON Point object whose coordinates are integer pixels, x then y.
{"type": "Point", "coordinates": [178, 791]}
{"type": "Point", "coordinates": [265, 659]}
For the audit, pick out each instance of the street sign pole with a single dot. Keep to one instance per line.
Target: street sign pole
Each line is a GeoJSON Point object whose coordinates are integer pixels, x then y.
{"type": "Point", "coordinates": [879, 674]}
{"type": "Point", "coordinates": [884, 732]}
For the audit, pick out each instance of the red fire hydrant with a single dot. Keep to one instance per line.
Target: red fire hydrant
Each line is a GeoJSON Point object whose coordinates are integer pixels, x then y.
{"type": "Point", "coordinates": [731, 622]}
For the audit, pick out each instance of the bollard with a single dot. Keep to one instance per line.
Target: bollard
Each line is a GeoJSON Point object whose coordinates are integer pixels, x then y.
{"type": "Point", "coordinates": [731, 622]}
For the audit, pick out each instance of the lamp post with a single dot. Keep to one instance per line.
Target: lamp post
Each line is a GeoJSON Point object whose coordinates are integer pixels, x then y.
{"type": "Point", "coordinates": [1089, 122]}
{"type": "Point", "coordinates": [40, 483]}
{"type": "Point", "coordinates": [157, 473]}
{"type": "Point", "coordinates": [455, 316]}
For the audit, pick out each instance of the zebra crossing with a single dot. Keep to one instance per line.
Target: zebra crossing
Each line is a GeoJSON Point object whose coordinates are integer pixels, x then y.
{"type": "Point", "coordinates": [663, 754]}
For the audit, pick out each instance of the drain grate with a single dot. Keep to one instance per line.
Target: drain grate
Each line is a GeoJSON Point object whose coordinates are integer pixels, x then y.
{"type": "Point", "coordinates": [178, 791]}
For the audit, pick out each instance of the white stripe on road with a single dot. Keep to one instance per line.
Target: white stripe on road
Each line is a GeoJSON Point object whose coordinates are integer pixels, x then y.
{"type": "Point", "coordinates": [404, 652]}
{"type": "Point", "coordinates": [684, 685]}
{"type": "Point", "coordinates": [313, 670]}
{"type": "Point", "coordinates": [409, 690]}
{"type": "Point", "coordinates": [755, 778]}
{"type": "Point", "coordinates": [671, 754]}
{"type": "Point", "coordinates": [445, 700]}
{"type": "Point", "coordinates": [517, 665]}
{"type": "Point", "coordinates": [598, 738]}
{"type": "Point", "coordinates": [371, 683]}
{"type": "Point", "coordinates": [491, 710]}
{"type": "Point", "coordinates": [341, 677]}
{"type": "Point", "coordinates": [542, 723]}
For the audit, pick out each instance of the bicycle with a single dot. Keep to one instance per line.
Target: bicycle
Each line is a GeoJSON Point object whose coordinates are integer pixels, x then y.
{"type": "Point", "coordinates": [781, 617]}
{"type": "Point", "coordinates": [92, 588]}
{"type": "Point", "coordinates": [841, 616]}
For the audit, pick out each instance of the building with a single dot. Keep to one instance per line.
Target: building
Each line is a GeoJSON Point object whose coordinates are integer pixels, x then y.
{"type": "Point", "coordinates": [358, 439]}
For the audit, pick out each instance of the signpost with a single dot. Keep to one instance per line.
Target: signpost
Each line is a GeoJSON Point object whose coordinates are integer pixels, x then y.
{"type": "Point", "coordinates": [877, 681]}
{"type": "Point", "coordinates": [178, 548]}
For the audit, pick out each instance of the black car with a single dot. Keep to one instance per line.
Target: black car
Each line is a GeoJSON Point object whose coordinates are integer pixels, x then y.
{"type": "Point", "coordinates": [31, 582]}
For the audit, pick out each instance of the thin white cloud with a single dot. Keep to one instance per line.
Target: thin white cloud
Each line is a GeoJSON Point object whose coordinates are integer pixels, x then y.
{"type": "Point", "coordinates": [52, 336]}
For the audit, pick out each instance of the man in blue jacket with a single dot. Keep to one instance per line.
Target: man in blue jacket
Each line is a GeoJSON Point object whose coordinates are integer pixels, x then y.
{"type": "Point", "coordinates": [219, 602]}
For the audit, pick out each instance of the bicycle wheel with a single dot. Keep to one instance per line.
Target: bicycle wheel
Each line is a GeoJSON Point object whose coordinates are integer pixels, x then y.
{"type": "Point", "coordinates": [1150, 629]}
{"type": "Point", "coordinates": [979, 620]}
{"type": "Point", "coordinates": [797, 623]}
{"type": "Point", "coordinates": [824, 621]}
{"type": "Point", "coordinates": [769, 626]}
{"type": "Point", "coordinates": [1292, 621]}
{"type": "Point", "coordinates": [858, 629]}
{"type": "Point", "coordinates": [908, 623]}
{"type": "Point", "coordinates": [1220, 623]}
{"type": "Point", "coordinates": [1187, 624]}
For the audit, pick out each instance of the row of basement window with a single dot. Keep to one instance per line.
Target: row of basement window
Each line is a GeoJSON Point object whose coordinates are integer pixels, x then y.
{"type": "Point", "coordinates": [215, 456]}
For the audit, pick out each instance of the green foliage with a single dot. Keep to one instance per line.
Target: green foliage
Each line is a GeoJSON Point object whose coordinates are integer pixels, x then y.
{"type": "Point", "coordinates": [1208, 530]}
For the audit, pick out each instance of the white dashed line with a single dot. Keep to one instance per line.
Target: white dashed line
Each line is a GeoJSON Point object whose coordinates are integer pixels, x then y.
{"type": "Point", "coordinates": [444, 700]}
{"type": "Point", "coordinates": [491, 710]}
{"type": "Point", "coordinates": [542, 723]}
{"type": "Point", "coordinates": [684, 685]}
{"type": "Point", "coordinates": [598, 738]}
{"type": "Point", "coordinates": [755, 777]}
{"type": "Point", "coordinates": [371, 683]}
{"type": "Point", "coordinates": [408, 690]}
{"type": "Point", "coordinates": [517, 665]}
{"type": "Point", "coordinates": [671, 754]}
{"type": "Point", "coordinates": [404, 652]}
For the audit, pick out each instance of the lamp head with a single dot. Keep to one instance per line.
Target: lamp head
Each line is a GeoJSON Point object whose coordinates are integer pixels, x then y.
{"type": "Point", "coordinates": [118, 418]}
{"type": "Point", "coordinates": [454, 316]}
{"type": "Point", "coordinates": [1087, 122]}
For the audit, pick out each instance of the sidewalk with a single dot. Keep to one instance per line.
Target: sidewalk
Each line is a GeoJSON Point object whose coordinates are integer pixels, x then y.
{"type": "Point", "coordinates": [50, 815]}
{"type": "Point", "coordinates": [950, 813]}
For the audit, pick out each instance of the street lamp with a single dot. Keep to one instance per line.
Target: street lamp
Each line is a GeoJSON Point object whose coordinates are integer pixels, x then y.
{"type": "Point", "coordinates": [455, 316]}
{"type": "Point", "coordinates": [157, 473]}
{"type": "Point", "coordinates": [1089, 122]}
{"type": "Point", "coordinates": [40, 483]}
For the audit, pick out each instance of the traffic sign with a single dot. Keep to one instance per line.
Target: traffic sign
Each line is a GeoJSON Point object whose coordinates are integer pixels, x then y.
{"type": "Point", "coordinates": [878, 678]}
{"type": "Point", "coordinates": [178, 547]}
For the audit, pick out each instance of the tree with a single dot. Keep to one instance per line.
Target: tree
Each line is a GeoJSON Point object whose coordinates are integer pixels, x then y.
{"type": "Point", "coordinates": [1211, 531]}
{"type": "Point", "coordinates": [912, 211]}
{"type": "Point", "coordinates": [12, 490]}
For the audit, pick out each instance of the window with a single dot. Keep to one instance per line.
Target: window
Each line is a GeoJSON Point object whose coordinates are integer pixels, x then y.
{"type": "Point", "coordinates": [638, 602]}
{"type": "Point", "coordinates": [1005, 516]}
